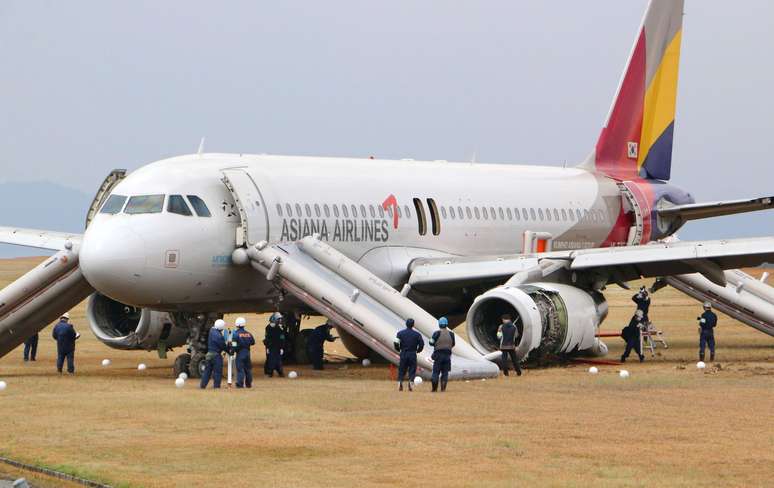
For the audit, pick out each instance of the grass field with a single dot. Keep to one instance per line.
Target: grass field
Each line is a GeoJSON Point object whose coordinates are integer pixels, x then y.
{"type": "Point", "coordinates": [667, 425]}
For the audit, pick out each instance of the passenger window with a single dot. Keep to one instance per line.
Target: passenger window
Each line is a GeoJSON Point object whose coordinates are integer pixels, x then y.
{"type": "Point", "coordinates": [298, 211]}
{"type": "Point", "coordinates": [308, 210]}
{"type": "Point", "coordinates": [524, 213]}
{"type": "Point", "coordinates": [113, 205]}
{"type": "Point", "coordinates": [556, 215]}
{"type": "Point", "coordinates": [421, 222]}
{"type": "Point", "coordinates": [363, 211]}
{"type": "Point", "coordinates": [564, 214]}
{"type": "Point", "coordinates": [327, 210]}
{"type": "Point", "coordinates": [451, 213]}
{"type": "Point", "coordinates": [317, 210]}
{"type": "Point", "coordinates": [381, 211]}
{"type": "Point", "coordinates": [477, 212]}
{"type": "Point", "coordinates": [177, 205]}
{"type": "Point", "coordinates": [336, 211]}
{"type": "Point", "coordinates": [502, 214]}
{"type": "Point", "coordinates": [400, 213]}
{"type": "Point", "coordinates": [199, 206]}
{"type": "Point", "coordinates": [144, 204]}
{"type": "Point", "coordinates": [279, 210]}
{"type": "Point", "coordinates": [289, 210]}
{"type": "Point", "coordinates": [492, 213]}
{"type": "Point", "coordinates": [407, 211]}
{"type": "Point", "coordinates": [345, 211]}
{"type": "Point", "coordinates": [579, 214]}
{"type": "Point", "coordinates": [548, 214]}
{"type": "Point", "coordinates": [540, 214]}
{"type": "Point", "coordinates": [434, 217]}
{"type": "Point", "coordinates": [373, 211]}
{"type": "Point", "coordinates": [443, 212]}
{"type": "Point", "coordinates": [354, 212]}
{"type": "Point", "coordinates": [459, 212]}
{"type": "Point", "coordinates": [532, 214]}
{"type": "Point", "coordinates": [510, 214]}
{"type": "Point", "coordinates": [485, 213]}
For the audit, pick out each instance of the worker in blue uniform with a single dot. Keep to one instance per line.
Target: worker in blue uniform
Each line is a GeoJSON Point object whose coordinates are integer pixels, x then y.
{"type": "Point", "coordinates": [274, 340]}
{"type": "Point", "coordinates": [707, 322]}
{"type": "Point", "coordinates": [65, 336]}
{"type": "Point", "coordinates": [642, 299]}
{"type": "Point", "coordinates": [508, 334]}
{"type": "Point", "coordinates": [241, 341]}
{"type": "Point", "coordinates": [443, 342]}
{"type": "Point", "coordinates": [213, 360]}
{"type": "Point", "coordinates": [31, 348]}
{"type": "Point", "coordinates": [408, 343]}
{"type": "Point", "coordinates": [631, 334]}
{"type": "Point", "coordinates": [315, 345]}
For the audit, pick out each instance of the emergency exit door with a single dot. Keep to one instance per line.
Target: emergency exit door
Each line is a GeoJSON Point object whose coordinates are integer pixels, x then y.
{"type": "Point", "coordinates": [253, 213]}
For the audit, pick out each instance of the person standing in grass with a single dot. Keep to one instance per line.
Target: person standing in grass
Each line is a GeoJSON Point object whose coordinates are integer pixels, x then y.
{"type": "Point", "coordinates": [64, 334]}
{"type": "Point", "coordinates": [507, 333]}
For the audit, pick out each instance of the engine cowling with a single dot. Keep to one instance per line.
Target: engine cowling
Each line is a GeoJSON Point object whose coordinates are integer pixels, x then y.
{"type": "Point", "coordinates": [125, 327]}
{"type": "Point", "coordinates": [552, 319]}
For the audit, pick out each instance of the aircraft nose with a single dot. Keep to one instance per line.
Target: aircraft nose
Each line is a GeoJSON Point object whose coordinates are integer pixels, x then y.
{"type": "Point", "coordinates": [112, 258]}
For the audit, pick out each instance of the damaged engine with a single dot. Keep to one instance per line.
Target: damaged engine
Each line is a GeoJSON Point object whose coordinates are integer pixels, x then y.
{"type": "Point", "coordinates": [552, 318]}
{"type": "Point", "coordinates": [125, 327]}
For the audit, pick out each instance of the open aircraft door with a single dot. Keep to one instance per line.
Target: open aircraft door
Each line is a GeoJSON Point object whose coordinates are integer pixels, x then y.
{"type": "Point", "coordinates": [253, 213]}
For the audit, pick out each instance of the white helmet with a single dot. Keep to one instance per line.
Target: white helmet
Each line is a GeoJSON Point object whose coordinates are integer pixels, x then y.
{"type": "Point", "coordinates": [220, 324]}
{"type": "Point", "coordinates": [240, 322]}
{"type": "Point", "coordinates": [639, 314]}
{"type": "Point", "coordinates": [66, 315]}
{"type": "Point", "coordinates": [707, 305]}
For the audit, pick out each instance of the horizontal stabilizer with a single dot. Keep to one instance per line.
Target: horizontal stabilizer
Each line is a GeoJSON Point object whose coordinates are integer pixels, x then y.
{"type": "Point", "coordinates": [696, 211]}
{"type": "Point", "coordinates": [41, 239]}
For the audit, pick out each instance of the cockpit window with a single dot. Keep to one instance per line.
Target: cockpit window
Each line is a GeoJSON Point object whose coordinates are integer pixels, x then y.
{"type": "Point", "coordinates": [143, 204]}
{"type": "Point", "coordinates": [177, 205]}
{"type": "Point", "coordinates": [199, 206]}
{"type": "Point", "coordinates": [113, 205]}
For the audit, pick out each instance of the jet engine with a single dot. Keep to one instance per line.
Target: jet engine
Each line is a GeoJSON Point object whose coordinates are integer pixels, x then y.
{"type": "Point", "coordinates": [552, 318]}
{"type": "Point", "coordinates": [125, 327]}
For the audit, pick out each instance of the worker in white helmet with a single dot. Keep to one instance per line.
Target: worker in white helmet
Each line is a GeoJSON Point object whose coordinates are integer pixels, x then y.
{"type": "Point", "coordinates": [216, 345]}
{"type": "Point", "coordinates": [241, 341]}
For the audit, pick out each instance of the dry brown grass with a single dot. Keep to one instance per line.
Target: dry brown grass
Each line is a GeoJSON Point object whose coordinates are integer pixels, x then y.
{"type": "Point", "coordinates": [664, 426]}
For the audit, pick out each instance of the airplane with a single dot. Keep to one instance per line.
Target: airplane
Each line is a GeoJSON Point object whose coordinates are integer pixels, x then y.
{"type": "Point", "coordinates": [368, 243]}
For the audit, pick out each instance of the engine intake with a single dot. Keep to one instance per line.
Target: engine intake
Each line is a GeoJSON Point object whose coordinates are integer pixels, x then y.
{"type": "Point", "coordinates": [125, 327]}
{"type": "Point", "coordinates": [552, 318]}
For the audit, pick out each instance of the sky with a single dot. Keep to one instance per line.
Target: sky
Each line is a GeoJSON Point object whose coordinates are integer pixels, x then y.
{"type": "Point", "coordinates": [88, 86]}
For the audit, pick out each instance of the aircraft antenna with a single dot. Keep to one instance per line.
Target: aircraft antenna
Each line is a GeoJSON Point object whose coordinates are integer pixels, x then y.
{"type": "Point", "coordinates": [201, 148]}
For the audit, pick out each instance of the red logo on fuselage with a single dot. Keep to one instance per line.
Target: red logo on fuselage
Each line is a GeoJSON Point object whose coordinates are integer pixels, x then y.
{"type": "Point", "coordinates": [392, 202]}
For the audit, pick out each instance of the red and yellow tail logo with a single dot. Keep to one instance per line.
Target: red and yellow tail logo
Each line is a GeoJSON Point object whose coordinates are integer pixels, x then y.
{"type": "Point", "coordinates": [637, 138]}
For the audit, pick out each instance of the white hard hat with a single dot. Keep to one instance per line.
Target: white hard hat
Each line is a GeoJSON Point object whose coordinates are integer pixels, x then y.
{"type": "Point", "coordinates": [240, 322]}
{"type": "Point", "coordinates": [707, 305]}
{"type": "Point", "coordinates": [639, 313]}
{"type": "Point", "coordinates": [220, 324]}
{"type": "Point", "coordinates": [66, 315]}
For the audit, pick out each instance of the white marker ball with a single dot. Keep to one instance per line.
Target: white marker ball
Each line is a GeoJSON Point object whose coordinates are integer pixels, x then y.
{"type": "Point", "coordinates": [701, 365]}
{"type": "Point", "coordinates": [106, 362]}
{"type": "Point", "coordinates": [417, 380]}
{"type": "Point", "coordinates": [183, 376]}
{"type": "Point", "coordinates": [366, 362]}
{"type": "Point", "coordinates": [180, 382]}
{"type": "Point", "coordinates": [3, 385]}
{"type": "Point", "coordinates": [483, 379]}
{"type": "Point", "coordinates": [593, 370]}
{"type": "Point", "coordinates": [292, 375]}
{"type": "Point", "coordinates": [141, 366]}
{"type": "Point", "coordinates": [623, 373]}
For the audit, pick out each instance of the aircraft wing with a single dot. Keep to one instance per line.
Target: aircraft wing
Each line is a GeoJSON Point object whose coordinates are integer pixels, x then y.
{"type": "Point", "coordinates": [695, 211]}
{"type": "Point", "coordinates": [42, 239]}
{"type": "Point", "coordinates": [619, 264]}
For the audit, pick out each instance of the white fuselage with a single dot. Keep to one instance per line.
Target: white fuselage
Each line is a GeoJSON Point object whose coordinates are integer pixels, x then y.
{"type": "Point", "coordinates": [479, 209]}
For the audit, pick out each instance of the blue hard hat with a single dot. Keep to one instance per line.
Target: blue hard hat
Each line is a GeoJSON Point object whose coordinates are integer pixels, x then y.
{"type": "Point", "coordinates": [443, 322]}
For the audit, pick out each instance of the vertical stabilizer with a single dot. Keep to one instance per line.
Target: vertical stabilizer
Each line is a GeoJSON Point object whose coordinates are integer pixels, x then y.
{"type": "Point", "coordinates": [637, 137]}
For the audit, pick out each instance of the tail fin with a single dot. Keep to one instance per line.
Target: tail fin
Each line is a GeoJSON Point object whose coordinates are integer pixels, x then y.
{"type": "Point", "coordinates": [637, 137]}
